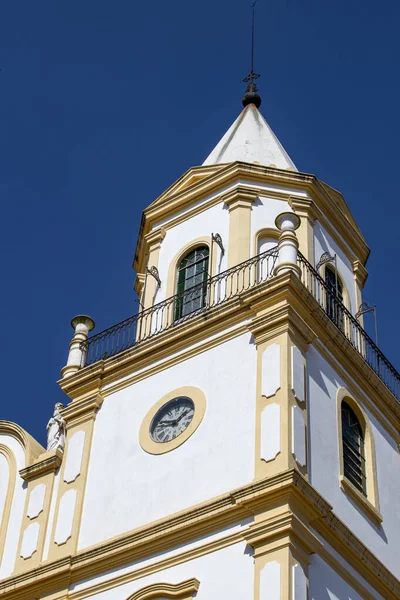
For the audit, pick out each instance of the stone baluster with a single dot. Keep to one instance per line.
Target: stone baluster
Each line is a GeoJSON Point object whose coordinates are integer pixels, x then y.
{"type": "Point", "coordinates": [287, 223]}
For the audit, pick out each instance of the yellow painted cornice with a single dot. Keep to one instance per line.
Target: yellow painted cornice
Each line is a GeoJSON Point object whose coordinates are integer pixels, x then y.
{"type": "Point", "coordinates": [192, 176]}
{"type": "Point", "coordinates": [304, 207]}
{"type": "Point", "coordinates": [284, 319]}
{"type": "Point", "coordinates": [282, 529]}
{"type": "Point", "coordinates": [150, 241]}
{"type": "Point", "coordinates": [296, 505]}
{"type": "Point", "coordinates": [155, 237]}
{"type": "Point", "coordinates": [139, 283]}
{"type": "Point", "coordinates": [328, 205]}
{"type": "Point", "coordinates": [85, 410]}
{"type": "Point", "coordinates": [120, 371]}
{"type": "Point", "coordinates": [46, 463]}
{"type": "Point", "coordinates": [280, 304]}
{"type": "Point", "coordinates": [32, 448]}
{"type": "Point", "coordinates": [239, 196]}
{"type": "Point", "coordinates": [360, 273]}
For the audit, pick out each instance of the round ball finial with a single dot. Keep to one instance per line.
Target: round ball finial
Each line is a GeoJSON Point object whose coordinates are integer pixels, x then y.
{"type": "Point", "coordinates": [251, 98]}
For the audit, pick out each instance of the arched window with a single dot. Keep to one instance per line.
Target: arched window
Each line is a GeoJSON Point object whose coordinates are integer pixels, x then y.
{"type": "Point", "coordinates": [353, 448]}
{"type": "Point", "coordinates": [192, 282]}
{"type": "Point", "coordinates": [334, 297]}
{"type": "Point", "coordinates": [266, 240]}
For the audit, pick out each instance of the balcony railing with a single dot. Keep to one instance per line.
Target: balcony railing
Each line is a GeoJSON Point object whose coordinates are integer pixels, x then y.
{"type": "Point", "coordinates": [220, 288]}
{"type": "Point", "coordinates": [180, 308]}
{"type": "Point", "coordinates": [349, 326]}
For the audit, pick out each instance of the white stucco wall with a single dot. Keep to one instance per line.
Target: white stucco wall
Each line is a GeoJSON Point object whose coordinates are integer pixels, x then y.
{"type": "Point", "coordinates": [155, 559]}
{"type": "Point", "coordinates": [213, 220]}
{"type": "Point", "coordinates": [263, 214]}
{"type": "Point", "coordinates": [323, 242]}
{"type": "Point", "coordinates": [216, 220]}
{"type": "Point", "coordinates": [133, 487]}
{"type": "Point", "coordinates": [227, 573]}
{"type": "Point", "coordinates": [326, 584]}
{"type": "Point", "coordinates": [322, 571]}
{"type": "Point", "coordinates": [323, 384]}
{"type": "Point", "coordinates": [17, 508]}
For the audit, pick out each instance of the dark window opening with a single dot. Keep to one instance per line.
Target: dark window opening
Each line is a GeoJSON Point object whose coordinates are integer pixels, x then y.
{"type": "Point", "coordinates": [353, 448]}
{"type": "Point", "coordinates": [334, 298]}
{"type": "Point", "coordinates": [192, 282]}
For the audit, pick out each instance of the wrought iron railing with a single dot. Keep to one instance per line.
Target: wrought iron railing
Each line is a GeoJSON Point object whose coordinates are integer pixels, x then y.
{"type": "Point", "coordinates": [349, 326]}
{"type": "Point", "coordinates": [178, 309]}
{"type": "Point", "coordinates": [220, 288]}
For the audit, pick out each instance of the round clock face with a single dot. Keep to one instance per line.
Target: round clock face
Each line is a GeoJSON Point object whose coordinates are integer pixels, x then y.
{"type": "Point", "coordinates": [172, 419]}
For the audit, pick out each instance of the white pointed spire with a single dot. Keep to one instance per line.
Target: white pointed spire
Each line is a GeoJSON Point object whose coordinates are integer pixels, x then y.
{"type": "Point", "coordinates": [250, 139]}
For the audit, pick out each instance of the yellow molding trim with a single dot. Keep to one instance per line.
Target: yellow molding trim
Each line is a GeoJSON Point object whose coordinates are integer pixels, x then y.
{"type": "Point", "coordinates": [330, 203]}
{"type": "Point", "coordinates": [46, 479]}
{"type": "Point", "coordinates": [267, 300]}
{"type": "Point", "coordinates": [335, 347]}
{"type": "Point", "coordinates": [175, 359]}
{"type": "Point", "coordinates": [79, 413]}
{"type": "Point", "coordinates": [76, 422]}
{"type": "Point", "coordinates": [362, 502]}
{"type": "Point", "coordinates": [46, 463]}
{"type": "Point", "coordinates": [172, 276]}
{"type": "Point", "coordinates": [279, 530]}
{"type": "Point", "coordinates": [309, 213]}
{"type": "Point", "coordinates": [183, 590]}
{"type": "Point", "coordinates": [124, 366]}
{"type": "Point", "coordinates": [192, 176]}
{"type": "Point", "coordinates": [304, 207]}
{"type": "Point", "coordinates": [285, 319]}
{"type": "Point", "coordinates": [162, 564]}
{"type": "Point", "coordinates": [265, 232]}
{"type": "Point", "coordinates": [360, 274]}
{"type": "Point", "coordinates": [287, 488]}
{"type": "Point", "coordinates": [32, 448]}
{"type": "Point", "coordinates": [5, 515]}
{"type": "Point", "coordinates": [239, 202]}
{"type": "Point", "coordinates": [139, 283]}
{"type": "Point", "coordinates": [239, 193]}
{"type": "Point", "coordinates": [155, 237]}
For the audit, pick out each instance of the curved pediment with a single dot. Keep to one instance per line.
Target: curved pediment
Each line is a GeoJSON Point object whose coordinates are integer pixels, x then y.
{"type": "Point", "coordinates": [160, 591]}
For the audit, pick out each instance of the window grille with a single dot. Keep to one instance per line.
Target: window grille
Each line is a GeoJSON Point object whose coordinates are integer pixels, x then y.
{"type": "Point", "coordinates": [333, 301]}
{"type": "Point", "coordinates": [353, 448]}
{"type": "Point", "coordinates": [192, 282]}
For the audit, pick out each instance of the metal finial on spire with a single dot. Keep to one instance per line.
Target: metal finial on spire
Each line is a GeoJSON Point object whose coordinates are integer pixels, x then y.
{"type": "Point", "coordinates": [251, 96]}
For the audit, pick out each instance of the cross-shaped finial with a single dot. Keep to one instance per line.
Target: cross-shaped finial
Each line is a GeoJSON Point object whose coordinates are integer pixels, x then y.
{"type": "Point", "coordinates": [252, 87]}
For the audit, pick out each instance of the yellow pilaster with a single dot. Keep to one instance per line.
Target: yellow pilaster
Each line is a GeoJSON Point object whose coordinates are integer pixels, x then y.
{"type": "Point", "coordinates": [80, 417]}
{"type": "Point", "coordinates": [308, 214]}
{"type": "Point", "coordinates": [239, 202]}
{"type": "Point", "coordinates": [153, 244]}
{"type": "Point", "coordinates": [281, 436]}
{"type": "Point", "coordinates": [282, 544]}
{"type": "Point", "coordinates": [40, 483]}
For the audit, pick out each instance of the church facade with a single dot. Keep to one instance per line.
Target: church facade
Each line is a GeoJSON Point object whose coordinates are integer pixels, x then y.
{"type": "Point", "coordinates": [238, 437]}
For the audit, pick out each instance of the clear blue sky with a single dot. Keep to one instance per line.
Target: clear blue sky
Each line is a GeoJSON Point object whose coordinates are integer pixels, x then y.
{"type": "Point", "coordinates": [104, 104]}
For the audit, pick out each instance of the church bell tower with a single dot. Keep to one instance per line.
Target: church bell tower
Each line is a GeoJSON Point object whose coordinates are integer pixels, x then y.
{"type": "Point", "coordinates": [238, 437]}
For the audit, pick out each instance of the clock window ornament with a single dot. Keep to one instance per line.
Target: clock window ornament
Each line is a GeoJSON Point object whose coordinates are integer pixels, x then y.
{"type": "Point", "coordinates": [172, 419]}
